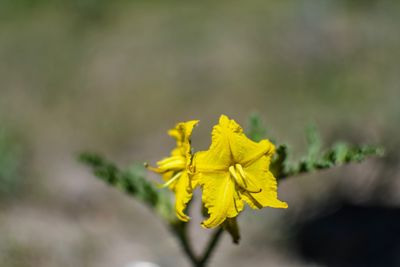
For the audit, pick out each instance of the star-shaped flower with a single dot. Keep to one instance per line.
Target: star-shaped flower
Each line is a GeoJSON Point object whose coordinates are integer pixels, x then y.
{"type": "Point", "coordinates": [235, 170]}
{"type": "Point", "coordinates": [175, 168]}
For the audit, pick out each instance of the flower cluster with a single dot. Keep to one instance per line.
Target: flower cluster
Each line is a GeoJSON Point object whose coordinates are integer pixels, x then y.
{"type": "Point", "coordinates": [232, 172]}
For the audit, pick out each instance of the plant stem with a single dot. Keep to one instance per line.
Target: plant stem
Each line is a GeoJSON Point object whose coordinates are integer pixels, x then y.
{"type": "Point", "coordinates": [180, 229]}
{"type": "Point", "coordinates": [210, 247]}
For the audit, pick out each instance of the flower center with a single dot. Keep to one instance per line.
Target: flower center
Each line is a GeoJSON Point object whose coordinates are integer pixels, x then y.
{"type": "Point", "coordinates": [242, 180]}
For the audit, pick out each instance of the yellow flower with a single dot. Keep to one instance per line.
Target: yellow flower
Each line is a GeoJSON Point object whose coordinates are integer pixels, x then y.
{"type": "Point", "coordinates": [235, 170]}
{"type": "Point", "coordinates": [175, 168]}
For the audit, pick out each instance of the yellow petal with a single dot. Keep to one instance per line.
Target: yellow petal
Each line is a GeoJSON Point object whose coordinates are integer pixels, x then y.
{"type": "Point", "coordinates": [220, 198]}
{"type": "Point", "coordinates": [183, 194]}
{"type": "Point", "coordinates": [259, 175]}
{"type": "Point", "coordinates": [183, 130]}
{"type": "Point", "coordinates": [180, 156]}
{"type": "Point", "coordinates": [209, 161]}
{"type": "Point", "coordinates": [182, 133]}
{"type": "Point", "coordinates": [244, 151]}
{"type": "Point", "coordinates": [173, 163]}
{"type": "Point", "coordinates": [218, 157]}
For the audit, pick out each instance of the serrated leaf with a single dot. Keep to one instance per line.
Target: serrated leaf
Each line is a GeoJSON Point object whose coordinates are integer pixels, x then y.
{"type": "Point", "coordinates": [132, 181]}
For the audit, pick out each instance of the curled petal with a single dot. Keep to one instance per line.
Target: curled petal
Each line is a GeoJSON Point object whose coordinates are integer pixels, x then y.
{"type": "Point", "coordinates": [220, 198]}
{"type": "Point", "coordinates": [182, 133]}
{"type": "Point", "coordinates": [259, 175]}
{"type": "Point", "coordinates": [183, 194]}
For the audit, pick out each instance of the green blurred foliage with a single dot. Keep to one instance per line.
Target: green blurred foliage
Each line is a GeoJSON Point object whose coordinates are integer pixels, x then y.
{"type": "Point", "coordinates": [88, 9]}
{"type": "Point", "coordinates": [10, 163]}
{"type": "Point", "coordinates": [132, 181]}
{"type": "Point", "coordinates": [256, 130]}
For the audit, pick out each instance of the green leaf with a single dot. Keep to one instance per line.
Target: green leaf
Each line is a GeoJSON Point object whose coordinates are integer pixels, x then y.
{"type": "Point", "coordinates": [279, 163]}
{"type": "Point", "coordinates": [256, 130]}
{"type": "Point", "coordinates": [314, 144]}
{"type": "Point", "coordinates": [318, 159]}
{"type": "Point", "coordinates": [132, 181]}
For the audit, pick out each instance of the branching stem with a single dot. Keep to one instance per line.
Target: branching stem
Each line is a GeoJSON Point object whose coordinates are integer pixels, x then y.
{"type": "Point", "coordinates": [181, 232]}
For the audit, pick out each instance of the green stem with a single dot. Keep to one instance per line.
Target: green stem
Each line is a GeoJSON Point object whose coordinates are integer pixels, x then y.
{"type": "Point", "coordinates": [210, 247]}
{"type": "Point", "coordinates": [181, 231]}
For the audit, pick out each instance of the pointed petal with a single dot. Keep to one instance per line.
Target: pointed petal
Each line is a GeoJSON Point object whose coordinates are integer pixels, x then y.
{"type": "Point", "coordinates": [259, 175]}
{"type": "Point", "coordinates": [183, 130]}
{"type": "Point", "coordinates": [244, 151]}
{"type": "Point", "coordinates": [220, 198]}
{"type": "Point", "coordinates": [218, 157]}
{"type": "Point", "coordinates": [182, 133]}
{"type": "Point", "coordinates": [183, 194]}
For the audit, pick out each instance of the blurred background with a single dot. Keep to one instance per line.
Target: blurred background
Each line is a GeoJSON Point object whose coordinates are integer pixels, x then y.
{"type": "Point", "coordinates": [114, 76]}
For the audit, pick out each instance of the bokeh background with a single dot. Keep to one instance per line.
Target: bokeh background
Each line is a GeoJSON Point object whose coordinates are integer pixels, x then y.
{"type": "Point", "coordinates": [113, 76]}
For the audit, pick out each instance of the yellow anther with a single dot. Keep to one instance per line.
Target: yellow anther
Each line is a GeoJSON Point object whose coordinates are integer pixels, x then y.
{"type": "Point", "coordinates": [242, 173]}
{"type": "Point", "coordinates": [236, 177]}
{"type": "Point", "coordinates": [241, 178]}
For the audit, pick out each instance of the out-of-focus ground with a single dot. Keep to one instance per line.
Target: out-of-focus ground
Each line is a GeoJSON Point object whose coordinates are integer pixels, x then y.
{"type": "Point", "coordinates": [113, 76]}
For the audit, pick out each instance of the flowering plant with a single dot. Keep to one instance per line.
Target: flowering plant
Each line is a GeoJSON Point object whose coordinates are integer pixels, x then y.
{"type": "Point", "coordinates": [235, 170]}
